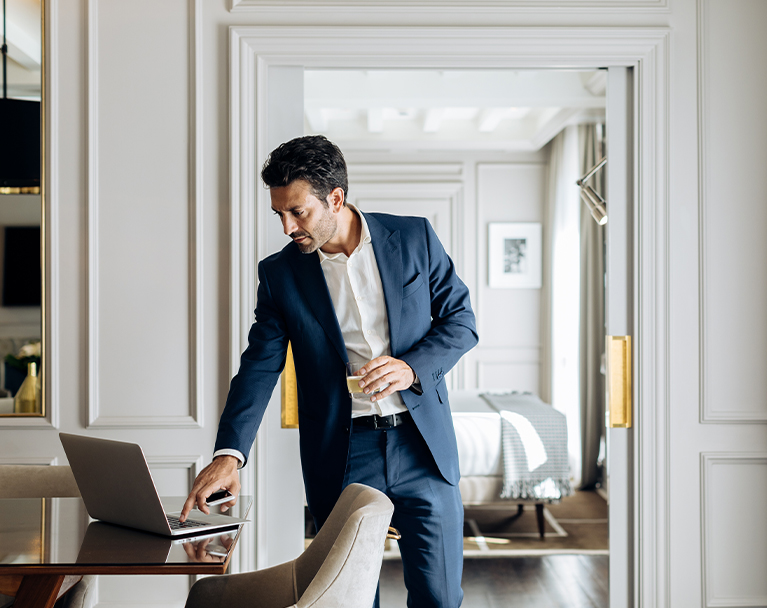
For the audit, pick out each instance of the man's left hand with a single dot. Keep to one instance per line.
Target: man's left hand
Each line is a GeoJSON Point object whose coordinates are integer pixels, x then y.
{"type": "Point", "coordinates": [386, 375]}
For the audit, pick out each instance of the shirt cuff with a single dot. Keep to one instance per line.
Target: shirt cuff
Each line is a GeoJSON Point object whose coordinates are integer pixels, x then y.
{"type": "Point", "coordinates": [228, 452]}
{"type": "Point", "coordinates": [416, 386]}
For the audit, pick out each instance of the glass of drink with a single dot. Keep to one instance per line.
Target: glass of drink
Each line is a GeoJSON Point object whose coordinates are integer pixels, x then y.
{"type": "Point", "coordinates": [353, 378]}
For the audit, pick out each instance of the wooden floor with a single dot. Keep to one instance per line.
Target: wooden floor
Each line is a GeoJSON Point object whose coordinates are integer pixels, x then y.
{"type": "Point", "coordinates": [567, 581]}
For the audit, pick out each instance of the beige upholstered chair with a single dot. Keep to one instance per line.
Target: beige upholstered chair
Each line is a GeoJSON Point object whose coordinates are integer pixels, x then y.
{"type": "Point", "coordinates": [340, 568]}
{"type": "Point", "coordinates": [27, 481]}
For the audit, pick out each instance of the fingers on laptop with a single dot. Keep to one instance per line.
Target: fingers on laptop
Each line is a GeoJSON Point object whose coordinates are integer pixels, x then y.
{"type": "Point", "coordinates": [218, 475]}
{"type": "Point", "coordinates": [190, 501]}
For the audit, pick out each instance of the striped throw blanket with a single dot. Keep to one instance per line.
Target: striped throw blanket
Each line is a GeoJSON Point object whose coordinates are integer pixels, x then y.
{"type": "Point", "coordinates": [534, 436]}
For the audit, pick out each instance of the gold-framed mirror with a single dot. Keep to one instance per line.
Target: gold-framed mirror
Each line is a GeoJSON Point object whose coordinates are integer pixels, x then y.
{"type": "Point", "coordinates": [22, 222]}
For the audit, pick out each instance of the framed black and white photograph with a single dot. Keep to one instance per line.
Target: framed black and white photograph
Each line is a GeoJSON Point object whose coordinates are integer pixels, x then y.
{"type": "Point", "coordinates": [514, 255]}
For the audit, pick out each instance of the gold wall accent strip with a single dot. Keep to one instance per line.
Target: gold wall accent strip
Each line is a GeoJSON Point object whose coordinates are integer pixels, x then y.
{"type": "Point", "coordinates": [21, 190]}
{"type": "Point", "coordinates": [619, 389]}
{"type": "Point", "coordinates": [289, 393]}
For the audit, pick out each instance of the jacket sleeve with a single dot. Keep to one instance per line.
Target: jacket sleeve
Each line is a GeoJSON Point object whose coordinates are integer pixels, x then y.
{"type": "Point", "coordinates": [453, 328]}
{"type": "Point", "coordinates": [260, 367]}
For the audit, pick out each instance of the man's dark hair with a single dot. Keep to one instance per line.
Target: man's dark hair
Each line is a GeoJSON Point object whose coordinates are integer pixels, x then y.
{"type": "Point", "coordinates": [312, 158]}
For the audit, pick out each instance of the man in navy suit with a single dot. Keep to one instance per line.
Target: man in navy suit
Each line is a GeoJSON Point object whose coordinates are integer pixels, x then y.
{"type": "Point", "coordinates": [379, 292]}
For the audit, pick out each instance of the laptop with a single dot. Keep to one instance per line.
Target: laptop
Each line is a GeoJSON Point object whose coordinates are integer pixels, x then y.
{"type": "Point", "coordinates": [117, 487]}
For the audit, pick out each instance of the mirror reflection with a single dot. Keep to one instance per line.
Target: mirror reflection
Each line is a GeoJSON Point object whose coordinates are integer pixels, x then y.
{"type": "Point", "coordinates": [21, 209]}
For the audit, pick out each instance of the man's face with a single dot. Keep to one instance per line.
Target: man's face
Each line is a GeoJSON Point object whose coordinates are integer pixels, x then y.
{"type": "Point", "coordinates": [305, 218]}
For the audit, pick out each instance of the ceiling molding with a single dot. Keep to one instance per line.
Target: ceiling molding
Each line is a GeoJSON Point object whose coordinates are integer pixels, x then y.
{"type": "Point", "coordinates": [491, 8]}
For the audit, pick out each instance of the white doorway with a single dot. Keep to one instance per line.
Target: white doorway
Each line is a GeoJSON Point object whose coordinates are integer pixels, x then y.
{"type": "Point", "coordinates": [258, 53]}
{"type": "Point", "coordinates": [481, 152]}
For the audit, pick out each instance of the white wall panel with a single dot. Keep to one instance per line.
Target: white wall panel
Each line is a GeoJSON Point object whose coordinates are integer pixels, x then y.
{"type": "Point", "coordinates": [174, 475]}
{"type": "Point", "coordinates": [507, 319]}
{"type": "Point", "coordinates": [143, 211]}
{"type": "Point", "coordinates": [509, 368]}
{"type": "Point", "coordinates": [734, 529]}
{"type": "Point", "coordinates": [507, 193]}
{"type": "Point", "coordinates": [167, 591]}
{"type": "Point", "coordinates": [509, 376]}
{"type": "Point", "coordinates": [437, 202]}
{"type": "Point", "coordinates": [733, 150]}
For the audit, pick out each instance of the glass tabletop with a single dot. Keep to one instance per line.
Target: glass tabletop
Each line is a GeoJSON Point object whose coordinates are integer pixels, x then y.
{"type": "Point", "coordinates": [58, 532]}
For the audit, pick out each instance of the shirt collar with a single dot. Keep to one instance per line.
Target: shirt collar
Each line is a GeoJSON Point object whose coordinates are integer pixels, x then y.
{"type": "Point", "coordinates": [364, 239]}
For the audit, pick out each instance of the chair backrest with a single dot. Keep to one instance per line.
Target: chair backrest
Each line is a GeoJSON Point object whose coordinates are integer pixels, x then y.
{"type": "Point", "coordinates": [340, 568]}
{"type": "Point", "coordinates": [32, 481]}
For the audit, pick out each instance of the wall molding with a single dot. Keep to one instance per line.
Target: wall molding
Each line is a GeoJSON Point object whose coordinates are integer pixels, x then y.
{"type": "Point", "coordinates": [193, 465]}
{"type": "Point", "coordinates": [451, 191]}
{"type": "Point", "coordinates": [19, 423]}
{"type": "Point", "coordinates": [652, 92]}
{"type": "Point", "coordinates": [254, 48]}
{"type": "Point", "coordinates": [707, 461]}
{"type": "Point", "coordinates": [708, 413]}
{"type": "Point", "coordinates": [30, 460]}
{"type": "Point", "coordinates": [508, 354]}
{"type": "Point", "coordinates": [400, 172]}
{"type": "Point", "coordinates": [485, 357]}
{"type": "Point", "coordinates": [51, 284]}
{"type": "Point", "coordinates": [194, 419]}
{"type": "Point", "coordinates": [457, 7]}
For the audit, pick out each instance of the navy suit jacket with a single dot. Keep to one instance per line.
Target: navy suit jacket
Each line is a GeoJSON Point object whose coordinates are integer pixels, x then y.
{"type": "Point", "coordinates": [431, 325]}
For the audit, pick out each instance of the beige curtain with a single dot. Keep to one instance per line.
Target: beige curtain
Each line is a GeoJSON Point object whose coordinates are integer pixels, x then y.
{"type": "Point", "coordinates": [560, 318]}
{"type": "Point", "coordinates": [592, 323]}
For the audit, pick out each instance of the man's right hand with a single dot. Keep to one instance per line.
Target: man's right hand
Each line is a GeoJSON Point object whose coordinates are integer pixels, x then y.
{"type": "Point", "coordinates": [221, 474]}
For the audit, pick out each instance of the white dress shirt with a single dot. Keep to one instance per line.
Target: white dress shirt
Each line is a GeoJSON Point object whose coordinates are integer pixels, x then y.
{"type": "Point", "coordinates": [358, 298]}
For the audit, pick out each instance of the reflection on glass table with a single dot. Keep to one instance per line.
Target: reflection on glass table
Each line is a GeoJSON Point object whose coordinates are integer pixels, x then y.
{"type": "Point", "coordinates": [109, 544]}
{"type": "Point", "coordinates": [46, 545]}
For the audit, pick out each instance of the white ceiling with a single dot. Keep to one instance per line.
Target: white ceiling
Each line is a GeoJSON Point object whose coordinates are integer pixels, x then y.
{"type": "Point", "coordinates": [449, 109]}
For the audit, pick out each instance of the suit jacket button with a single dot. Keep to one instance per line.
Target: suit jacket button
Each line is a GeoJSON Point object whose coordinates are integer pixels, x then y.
{"type": "Point", "coordinates": [346, 429]}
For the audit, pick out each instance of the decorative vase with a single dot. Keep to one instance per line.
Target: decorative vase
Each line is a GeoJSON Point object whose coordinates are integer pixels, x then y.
{"type": "Point", "coordinates": [27, 399]}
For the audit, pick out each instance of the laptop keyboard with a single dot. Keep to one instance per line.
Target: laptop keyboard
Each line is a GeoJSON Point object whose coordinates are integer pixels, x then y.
{"type": "Point", "coordinates": [175, 524]}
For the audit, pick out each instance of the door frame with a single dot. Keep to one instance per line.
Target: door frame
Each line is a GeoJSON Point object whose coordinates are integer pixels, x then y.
{"type": "Point", "coordinates": [253, 49]}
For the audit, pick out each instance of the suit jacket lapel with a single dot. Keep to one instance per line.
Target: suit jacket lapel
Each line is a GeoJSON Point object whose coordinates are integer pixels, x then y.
{"type": "Point", "coordinates": [312, 283]}
{"type": "Point", "coordinates": [387, 248]}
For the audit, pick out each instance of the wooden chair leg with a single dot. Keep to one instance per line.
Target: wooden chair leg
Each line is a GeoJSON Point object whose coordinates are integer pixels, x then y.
{"type": "Point", "coordinates": [39, 590]}
{"type": "Point", "coordinates": [541, 520]}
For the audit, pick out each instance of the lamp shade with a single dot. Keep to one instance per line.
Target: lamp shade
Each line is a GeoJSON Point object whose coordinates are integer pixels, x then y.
{"type": "Point", "coordinates": [19, 143]}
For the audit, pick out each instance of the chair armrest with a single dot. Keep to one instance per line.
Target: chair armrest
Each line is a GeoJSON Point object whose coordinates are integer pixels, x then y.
{"type": "Point", "coordinates": [270, 588]}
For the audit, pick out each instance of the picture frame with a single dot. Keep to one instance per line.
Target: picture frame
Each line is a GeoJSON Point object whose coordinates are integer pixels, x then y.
{"type": "Point", "coordinates": [514, 255]}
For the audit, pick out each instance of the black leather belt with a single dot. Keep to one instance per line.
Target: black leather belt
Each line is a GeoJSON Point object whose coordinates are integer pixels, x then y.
{"type": "Point", "coordinates": [382, 422]}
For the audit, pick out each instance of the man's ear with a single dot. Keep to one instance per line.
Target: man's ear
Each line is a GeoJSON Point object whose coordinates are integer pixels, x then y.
{"type": "Point", "coordinates": [336, 199]}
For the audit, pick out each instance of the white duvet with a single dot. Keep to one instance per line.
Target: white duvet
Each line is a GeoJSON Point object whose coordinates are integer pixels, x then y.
{"type": "Point", "coordinates": [478, 431]}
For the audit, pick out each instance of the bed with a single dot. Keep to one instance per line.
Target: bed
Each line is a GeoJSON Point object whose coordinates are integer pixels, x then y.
{"type": "Point", "coordinates": [512, 449]}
